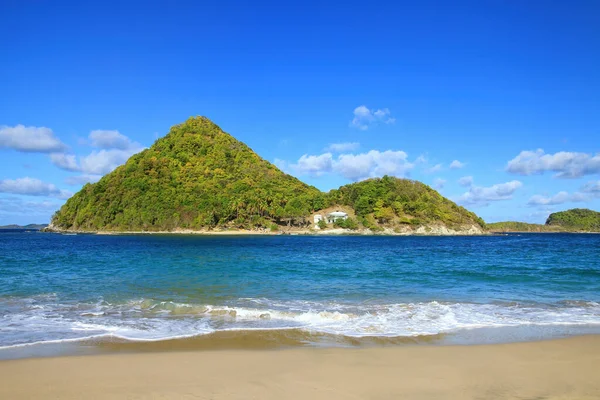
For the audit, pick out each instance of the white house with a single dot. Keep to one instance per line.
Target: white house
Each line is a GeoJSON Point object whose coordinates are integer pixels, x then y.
{"type": "Point", "coordinates": [317, 218]}
{"type": "Point", "coordinates": [336, 215]}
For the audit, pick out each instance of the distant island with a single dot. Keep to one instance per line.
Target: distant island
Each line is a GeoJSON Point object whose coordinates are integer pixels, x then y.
{"type": "Point", "coordinates": [574, 220]}
{"type": "Point", "coordinates": [198, 178]}
{"type": "Point", "coordinates": [30, 226]}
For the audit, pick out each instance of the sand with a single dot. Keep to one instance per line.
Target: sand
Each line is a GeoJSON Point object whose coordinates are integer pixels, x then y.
{"type": "Point", "coordinates": [557, 369]}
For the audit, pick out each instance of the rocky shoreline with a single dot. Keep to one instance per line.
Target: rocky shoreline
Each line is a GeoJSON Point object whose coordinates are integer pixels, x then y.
{"type": "Point", "coordinates": [472, 230]}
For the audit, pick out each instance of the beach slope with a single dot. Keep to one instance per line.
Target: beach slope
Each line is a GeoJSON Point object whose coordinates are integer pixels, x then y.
{"type": "Point", "coordinates": [557, 369]}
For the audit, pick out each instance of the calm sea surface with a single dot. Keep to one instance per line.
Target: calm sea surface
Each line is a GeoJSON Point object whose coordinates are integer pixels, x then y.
{"type": "Point", "coordinates": [56, 288]}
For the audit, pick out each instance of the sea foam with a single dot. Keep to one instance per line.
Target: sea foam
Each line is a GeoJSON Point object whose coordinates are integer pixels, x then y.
{"type": "Point", "coordinates": [44, 319]}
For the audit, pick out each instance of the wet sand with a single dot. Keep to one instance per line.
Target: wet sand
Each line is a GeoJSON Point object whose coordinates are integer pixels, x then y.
{"type": "Point", "coordinates": [556, 369]}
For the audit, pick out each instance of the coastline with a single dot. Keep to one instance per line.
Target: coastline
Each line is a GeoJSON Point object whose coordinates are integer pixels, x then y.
{"type": "Point", "coordinates": [421, 231]}
{"type": "Point", "coordinates": [553, 369]}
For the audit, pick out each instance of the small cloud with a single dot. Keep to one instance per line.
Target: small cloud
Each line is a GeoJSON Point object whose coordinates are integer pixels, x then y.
{"type": "Point", "coordinates": [434, 169]}
{"type": "Point", "coordinates": [32, 187]}
{"type": "Point", "coordinates": [82, 179]}
{"type": "Point", "coordinates": [565, 164]}
{"type": "Point", "coordinates": [15, 206]}
{"type": "Point", "coordinates": [281, 164]}
{"type": "Point", "coordinates": [30, 139]}
{"type": "Point", "coordinates": [68, 162]}
{"type": "Point", "coordinates": [456, 164]}
{"type": "Point", "coordinates": [115, 149]}
{"type": "Point", "coordinates": [314, 165]}
{"type": "Point", "coordinates": [438, 183]}
{"type": "Point", "coordinates": [559, 198]}
{"type": "Point", "coordinates": [421, 160]}
{"type": "Point", "coordinates": [592, 187]}
{"type": "Point", "coordinates": [103, 139]}
{"type": "Point", "coordinates": [354, 167]}
{"type": "Point", "coordinates": [466, 181]}
{"type": "Point", "coordinates": [342, 147]}
{"type": "Point", "coordinates": [482, 196]}
{"type": "Point", "coordinates": [372, 164]}
{"type": "Point", "coordinates": [365, 117]}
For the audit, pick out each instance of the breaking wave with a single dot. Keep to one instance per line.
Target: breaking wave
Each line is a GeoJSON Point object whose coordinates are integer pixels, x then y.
{"type": "Point", "coordinates": [45, 319]}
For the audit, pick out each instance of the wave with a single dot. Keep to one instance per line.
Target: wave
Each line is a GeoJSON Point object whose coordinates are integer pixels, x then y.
{"type": "Point", "coordinates": [44, 319]}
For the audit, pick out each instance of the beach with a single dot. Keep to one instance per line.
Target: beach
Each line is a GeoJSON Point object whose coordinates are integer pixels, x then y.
{"type": "Point", "coordinates": [554, 369]}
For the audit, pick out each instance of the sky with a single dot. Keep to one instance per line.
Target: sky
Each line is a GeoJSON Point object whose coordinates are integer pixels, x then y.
{"type": "Point", "coordinates": [496, 104]}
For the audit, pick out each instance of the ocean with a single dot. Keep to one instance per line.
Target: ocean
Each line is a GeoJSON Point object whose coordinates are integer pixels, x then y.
{"type": "Point", "coordinates": [338, 290]}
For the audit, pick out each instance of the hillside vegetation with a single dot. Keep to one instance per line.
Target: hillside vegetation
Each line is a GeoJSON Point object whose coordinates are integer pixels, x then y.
{"type": "Point", "coordinates": [576, 219]}
{"type": "Point", "coordinates": [393, 201]}
{"type": "Point", "coordinates": [199, 177]}
{"type": "Point", "coordinates": [514, 226]}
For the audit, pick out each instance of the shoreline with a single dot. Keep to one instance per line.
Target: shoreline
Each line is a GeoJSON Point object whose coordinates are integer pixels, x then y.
{"type": "Point", "coordinates": [553, 369]}
{"type": "Point", "coordinates": [421, 231]}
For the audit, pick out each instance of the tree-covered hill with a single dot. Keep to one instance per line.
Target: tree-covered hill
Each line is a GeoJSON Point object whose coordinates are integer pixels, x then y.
{"type": "Point", "coordinates": [393, 201]}
{"type": "Point", "coordinates": [576, 219]}
{"type": "Point", "coordinates": [515, 226]}
{"type": "Point", "coordinates": [199, 177]}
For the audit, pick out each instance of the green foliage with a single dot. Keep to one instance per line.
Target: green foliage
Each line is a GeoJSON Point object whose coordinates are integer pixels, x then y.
{"type": "Point", "coordinates": [197, 176]}
{"type": "Point", "coordinates": [514, 226]}
{"type": "Point", "coordinates": [322, 224]}
{"type": "Point", "coordinates": [577, 219]}
{"type": "Point", "coordinates": [348, 223]}
{"type": "Point", "coordinates": [391, 200]}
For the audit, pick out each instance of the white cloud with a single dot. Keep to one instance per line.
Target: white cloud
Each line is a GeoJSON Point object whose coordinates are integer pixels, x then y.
{"type": "Point", "coordinates": [32, 187]}
{"type": "Point", "coordinates": [14, 206]}
{"type": "Point", "coordinates": [592, 187]}
{"type": "Point", "coordinates": [342, 147]}
{"type": "Point", "coordinates": [282, 165]}
{"type": "Point", "coordinates": [421, 160]}
{"type": "Point", "coordinates": [559, 198]}
{"type": "Point", "coordinates": [465, 181]}
{"type": "Point", "coordinates": [111, 140]}
{"type": "Point", "coordinates": [314, 165]}
{"type": "Point", "coordinates": [364, 117]}
{"type": "Point", "coordinates": [456, 164]}
{"type": "Point", "coordinates": [372, 164]}
{"type": "Point", "coordinates": [104, 161]}
{"type": "Point", "coordinates": [565, 164]}
{"type": "Point", "coordinates": [82, 179]}
{"type": "Point", "coordinates": [438, 183]}
{"type": "Point", "coordinates": [353, 166]}
{"type": "Point", "coordinates": [434, 169]}
{"type": "Point", "coordinates": [115, 149]}
{"type": "Point", "coordinates": [65, 161]}
{"type": "Point", "coordinates": [30, 139]}
{"type": "Point", "coordinates": [478, 195]}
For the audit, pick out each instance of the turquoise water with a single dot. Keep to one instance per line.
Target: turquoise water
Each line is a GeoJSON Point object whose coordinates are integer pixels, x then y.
{"type": "Point", "coordinates": [56, 288]}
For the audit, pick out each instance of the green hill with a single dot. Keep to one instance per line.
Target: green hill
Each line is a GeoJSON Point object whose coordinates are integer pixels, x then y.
{"type": "Point", "coordinates": [195, 177]}
{"type": "Point", "coordinates": [199, 177]}
{"type": "Point", "coordinates": [577, 219]}
{"type": "Point", "coordinates": [30, 226]}
{"type": "Point", "coordinates": [393, 201]}
{"type": "Point", "coordinates": [514, 226]}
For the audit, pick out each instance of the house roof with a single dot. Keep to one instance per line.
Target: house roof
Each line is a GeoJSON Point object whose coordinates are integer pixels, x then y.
{"type": "Point", "coordinates": [337, 214]}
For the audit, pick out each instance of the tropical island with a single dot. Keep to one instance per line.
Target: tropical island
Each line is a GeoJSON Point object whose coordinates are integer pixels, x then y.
{"type": "Point", "coordinates": [25, 227]}
{"type": "Point", "coordinates": [574, 220]}
{"type": "Point", "coordinates": [198, 178]}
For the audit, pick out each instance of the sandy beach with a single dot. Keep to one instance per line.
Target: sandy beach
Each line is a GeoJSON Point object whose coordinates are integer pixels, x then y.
{"type": "Point", "coordinates": [556, 369]}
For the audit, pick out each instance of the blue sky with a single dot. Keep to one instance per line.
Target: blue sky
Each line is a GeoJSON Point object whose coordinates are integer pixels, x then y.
{"type": "Point", "coordinates": [332, 93]}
